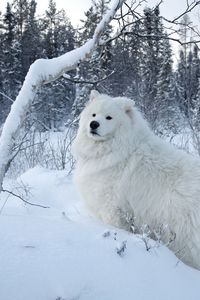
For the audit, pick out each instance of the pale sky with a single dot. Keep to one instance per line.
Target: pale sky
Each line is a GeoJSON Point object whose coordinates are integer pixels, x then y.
{"type": "Point", "coordinates": [75, 8]}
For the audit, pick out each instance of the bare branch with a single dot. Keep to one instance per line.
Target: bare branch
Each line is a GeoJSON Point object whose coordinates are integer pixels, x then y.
{"type": "Point", "coordinates": [166, 37]}
{"type": "Point", "coordinates": [3, 94]}
{"type": "Point", "coordinates": [124, 27]}
{"type": "Point", "coordinates": [131, 11]}
{"type": "Point", "coordinates": [17, 148]}
{"type": "Point", "coordinates": [153, 37]}
{"type": "Point", "coordinates": [189, 8]}
{"type": "Point", "coordinates": [25, 201]}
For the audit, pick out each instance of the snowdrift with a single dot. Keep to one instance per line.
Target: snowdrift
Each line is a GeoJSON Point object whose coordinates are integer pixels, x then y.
{"type": "Point", "coordinates": [64, 253]}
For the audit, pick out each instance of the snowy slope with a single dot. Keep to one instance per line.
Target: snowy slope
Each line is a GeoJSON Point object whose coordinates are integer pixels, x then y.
{"type": "Point", "coordinates": [62, 252]}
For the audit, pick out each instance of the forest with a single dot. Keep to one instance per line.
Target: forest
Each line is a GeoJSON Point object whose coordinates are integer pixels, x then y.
{"type": "Point", "coordinates": [140, 64]}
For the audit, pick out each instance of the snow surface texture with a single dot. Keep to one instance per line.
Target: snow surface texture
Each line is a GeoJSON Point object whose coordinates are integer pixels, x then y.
{"type": "Point", "coordinates": [64, 253]}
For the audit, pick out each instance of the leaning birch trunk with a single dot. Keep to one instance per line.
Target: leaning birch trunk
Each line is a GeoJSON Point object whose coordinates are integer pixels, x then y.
{"type": "Point", "coordinates": [41, 72]}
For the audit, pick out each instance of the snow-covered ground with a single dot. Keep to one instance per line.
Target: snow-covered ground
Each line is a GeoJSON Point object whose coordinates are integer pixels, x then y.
{"type": "Point", "coordinates": [62, 252]}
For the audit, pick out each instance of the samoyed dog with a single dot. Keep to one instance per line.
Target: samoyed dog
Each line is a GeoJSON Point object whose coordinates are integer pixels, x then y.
{"type": "Point", "coordinates": [130, 178]}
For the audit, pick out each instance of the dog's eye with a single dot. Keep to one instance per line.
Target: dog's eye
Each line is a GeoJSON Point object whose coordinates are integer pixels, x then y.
{"type": "Point", "coordinates": [108, 118]}
{"type": "Point", "coordinates": [94, 115]}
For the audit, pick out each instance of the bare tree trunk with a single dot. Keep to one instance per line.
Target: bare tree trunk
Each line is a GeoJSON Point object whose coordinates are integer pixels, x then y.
{"type": "Point", "coordinates": [41, 72]}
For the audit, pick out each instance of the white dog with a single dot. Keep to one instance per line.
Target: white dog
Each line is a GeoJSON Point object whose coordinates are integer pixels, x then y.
{"type": "Point", "coordinates": [125, 172]}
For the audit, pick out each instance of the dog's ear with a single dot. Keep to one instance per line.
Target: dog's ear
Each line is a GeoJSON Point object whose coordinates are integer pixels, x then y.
{"type": "Point", "coordinates": [93, 95]}
{"type": "Point", "coordinates": [127, 105]}
{"type": "Point", "coordinates": [129, 111]}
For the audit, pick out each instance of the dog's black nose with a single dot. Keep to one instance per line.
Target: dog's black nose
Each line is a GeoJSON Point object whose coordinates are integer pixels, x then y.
{"type": "Point", "coordinates": [94, 125]}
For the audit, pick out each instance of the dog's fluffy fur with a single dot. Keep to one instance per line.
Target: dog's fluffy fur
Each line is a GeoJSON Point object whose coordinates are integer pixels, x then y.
{"type": "Point", "coordinates": [123, 170]}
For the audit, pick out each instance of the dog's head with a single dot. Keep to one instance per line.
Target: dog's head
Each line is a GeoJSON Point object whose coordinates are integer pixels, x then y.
{"type": "Point", "coordinates": [104, 116]}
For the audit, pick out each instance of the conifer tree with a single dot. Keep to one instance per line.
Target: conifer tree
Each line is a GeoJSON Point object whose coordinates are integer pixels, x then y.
{"type": "Point", "coordinates": [153, 31]}
{"type": "Point", "coordinates": [97, 66]}
{"type": "Point", "coordinates": [57, 38]}
{"type": "Point", "coordinates": [10, 55]}
{"type": "Point", "coordinates": [164, 102]}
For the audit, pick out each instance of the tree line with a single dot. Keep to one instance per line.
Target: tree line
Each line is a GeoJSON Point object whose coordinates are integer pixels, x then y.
{"type": "Point", "coordinates": [138, 64]}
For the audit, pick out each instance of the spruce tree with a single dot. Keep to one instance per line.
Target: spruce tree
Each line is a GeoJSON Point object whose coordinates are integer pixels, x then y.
{"type": "Point", "coordinates": [57, 38]}
{"type": "Point", "coordinates": [10, 71]}
{"type": "Point", "coordinates": [153, 31]}
{"type": "Point", "coordinates": [98, 65]}
{"type": "Point", "coordinates": [164, 103]}
{"type": "Point", "coordinates": [30, 36]}
{"type": "Point", "coordinates": [195, 75]}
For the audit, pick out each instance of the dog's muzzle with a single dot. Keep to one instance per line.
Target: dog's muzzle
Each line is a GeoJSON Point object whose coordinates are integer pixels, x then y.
{"type": "Point", "coordinates": [93, 126]}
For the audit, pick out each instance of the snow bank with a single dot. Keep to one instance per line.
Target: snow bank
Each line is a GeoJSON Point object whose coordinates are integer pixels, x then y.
{"type": "Point", "coordinates": [64, 252]}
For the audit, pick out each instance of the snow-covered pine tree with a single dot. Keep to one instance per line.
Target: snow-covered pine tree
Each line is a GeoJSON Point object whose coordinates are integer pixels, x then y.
{"type": "Point", "coordinates": [194, 90]}
{"type": "Point", "coordinates": [118, 83]}
{"type": "Point", "coordinates": [181, 83]}
{"type": "Point", "coordinates": [164, 101]}
{"type": "Point", "coordinates": [126, 62]}
{"type": "Point", "coordinates": [195, 81]}
{"type": "Point", "coordinates": [57, 38]}
{"type": "Point", "coordinates": [97, 66]}
{"type": "Point", "coordinates": [1, 78]}
{"type": "Point", "coordinates": [152, 32]}
{"type": "Point", "coordinates": [184, 68]}
{"type": "Point", "coordinates": [135, 44]}
{"type": "Point", "coordinates": [11, 72]}
{"type": "Point", "coordinates": [30, 36]}
{"type": "Point", "coordinates": [197, 109]}
{"type": "Point", "coordinates": [135, 61]}
{"type": "Point", "coordinates": [187, 75]}
{"type": "Point", "coordinates": [20, 11]}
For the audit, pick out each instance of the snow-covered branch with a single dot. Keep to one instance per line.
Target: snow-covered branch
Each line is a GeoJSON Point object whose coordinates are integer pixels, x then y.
{"type": "Point", "coordinates": [82, 81]}
{"type": "Point", "coordinates": [43, 71]}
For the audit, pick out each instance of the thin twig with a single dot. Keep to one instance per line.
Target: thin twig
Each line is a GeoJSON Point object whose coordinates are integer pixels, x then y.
{"type": "Point", "coordinates": [4, 95]}
{"type": "Point", "coordinates": [153, 37]}
{"type": "Point", "coordinates": [25, 201]}
{"type": "Point", "coordinates": [189, 8]}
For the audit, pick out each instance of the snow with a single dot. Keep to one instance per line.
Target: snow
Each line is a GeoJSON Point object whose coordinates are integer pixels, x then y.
{"type": "Point", "coordinates": [65, 253]}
